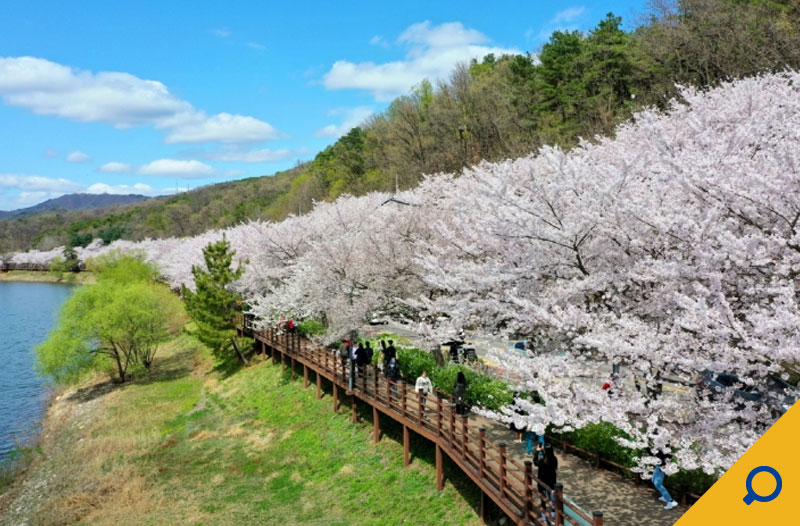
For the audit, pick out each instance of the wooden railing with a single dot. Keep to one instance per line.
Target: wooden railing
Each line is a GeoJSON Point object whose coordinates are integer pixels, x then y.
{"type": "Point", "coordinates": [6, 266]}
{"type": "Point", "coordinates": [506, 481]}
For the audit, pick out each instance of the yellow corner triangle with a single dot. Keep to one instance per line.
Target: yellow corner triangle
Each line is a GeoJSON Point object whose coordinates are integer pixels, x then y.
{"type": "Point", "coordinates": [724, 503]}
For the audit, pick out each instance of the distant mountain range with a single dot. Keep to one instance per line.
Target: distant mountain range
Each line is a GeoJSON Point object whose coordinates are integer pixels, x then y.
{"type": "Point", "coordinates": [75, 202]}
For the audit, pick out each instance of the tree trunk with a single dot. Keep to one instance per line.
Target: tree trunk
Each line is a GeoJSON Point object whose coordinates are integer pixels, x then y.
{"type": "Point", "coordinates": [239, 352]}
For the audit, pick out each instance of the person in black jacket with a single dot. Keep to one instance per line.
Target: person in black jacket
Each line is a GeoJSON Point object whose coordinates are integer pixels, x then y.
{"type": "Point", "coordinates": [369, 352]}
{"type": "Point", "coordinates": [545, 459]}
{"type": "Point", "coordinates": [460, 393]}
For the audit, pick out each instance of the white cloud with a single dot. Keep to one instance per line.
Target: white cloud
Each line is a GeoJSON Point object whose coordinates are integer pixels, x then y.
{"type": "Point", "coordinates": [234, 173]}
{"type": "Point", "coordinates": [38, 183]}
{"type": "Point", "coordinates": [256, 45]}
{"type": "Point", "coordinates": [221, 32]}
{"type": "Point", "coordinates": [77, 157]}
{"type": "Point", "coordinates": [176, 168]}
{"type": "Point", "coordinates": [26, 199]}
{"type": "Point", "coordinates": [120, 99]}
{"type": "Point", "coordinates": [116, 168]}
{"type": "Point", "coordinates": [223, 127]}
{"type": "Point", "coordinates": [51, 154]}
{"type": "Point", "coordinates": [567, 15]}
{"type": "Point", "coordinates": [560, 22]}
{"type": "Point", "coordinates": [124, 189]}
{"type": "Point", "coordinates": [432, 53]}
{"type": "Point", "coordinates": [378, 40]}
{"type": "Point", "coordinates": [352, 117]}
{"type": "Point", "coordinates": [235, 155]}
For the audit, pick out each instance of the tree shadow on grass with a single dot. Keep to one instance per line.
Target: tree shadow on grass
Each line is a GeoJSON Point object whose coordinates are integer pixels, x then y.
{"type": "Point", "coordinates": [163, 370]}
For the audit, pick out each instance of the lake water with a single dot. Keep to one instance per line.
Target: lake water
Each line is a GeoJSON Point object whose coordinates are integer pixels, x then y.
{"type": "Point", "coordinates": [27, 313]}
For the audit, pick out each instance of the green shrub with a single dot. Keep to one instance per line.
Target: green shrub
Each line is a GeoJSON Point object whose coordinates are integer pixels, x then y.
{"type": "Point", "coordinates": [310, 328]}
{"type": "Point", "coordinates": [413, 361]}
{"type": "Point", "coordinates": [695, 481]}
{"type": "Point", "coordinates": [600, 438]}
{"type": "Point", "coordinates": [482, 390]}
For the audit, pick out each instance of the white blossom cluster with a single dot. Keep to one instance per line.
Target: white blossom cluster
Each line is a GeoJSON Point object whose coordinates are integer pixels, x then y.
{"type": "Point", "coordinates": [669, 250]}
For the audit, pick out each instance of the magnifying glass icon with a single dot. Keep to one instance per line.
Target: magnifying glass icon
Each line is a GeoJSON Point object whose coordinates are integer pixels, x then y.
{"type": "Point", "coordinates": [752, 495]}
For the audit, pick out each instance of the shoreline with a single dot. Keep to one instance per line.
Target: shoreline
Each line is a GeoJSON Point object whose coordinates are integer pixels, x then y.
{"type": "Point", "coordinates": [39, 276]}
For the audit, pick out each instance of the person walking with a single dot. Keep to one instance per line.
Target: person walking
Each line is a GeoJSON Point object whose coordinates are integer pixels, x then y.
{"type": "Point", "coordinates": [530, 438]}
{"type": "Point", "coordinates": [353, 362]}
{"type": "Point", "coordinates": [424, 386]}
{"type": "Point", "coordinates": [658, 481]}
{"type": "Point", "coordinates": [547, 462]}
{"type": "Point", "coordinates": [517, 429]}
{"type": "Point", "coordinates": [460, 393]}
{"type": "Point", "coordinates": [393, 374]}
{"type": "Point", "coordinates": [369, 352]}
{"type": "Point", "coordinates": [344, 352]}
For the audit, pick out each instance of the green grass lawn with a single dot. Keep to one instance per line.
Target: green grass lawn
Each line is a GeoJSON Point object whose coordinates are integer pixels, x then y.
{"type": "Point", "coordinates": [193, 446]}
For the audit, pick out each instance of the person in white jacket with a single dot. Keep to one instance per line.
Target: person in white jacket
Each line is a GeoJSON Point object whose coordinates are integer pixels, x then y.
{"type": "Point", "coordinates": [424, 386]}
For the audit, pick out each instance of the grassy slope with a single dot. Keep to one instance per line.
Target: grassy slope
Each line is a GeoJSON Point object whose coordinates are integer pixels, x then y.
{"type": "Point", "coordinates": [191, 446]}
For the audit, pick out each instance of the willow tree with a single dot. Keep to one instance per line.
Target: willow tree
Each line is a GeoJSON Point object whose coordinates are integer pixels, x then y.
{"type": "Point", "coordinates": [118, 323]}
{"type": "Point", "coordinates": [212, 305]}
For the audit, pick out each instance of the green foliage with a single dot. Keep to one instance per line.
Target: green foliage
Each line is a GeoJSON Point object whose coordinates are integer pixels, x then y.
{"type": "Point", "coordinates": [309, 328]}
{"type": "Point", "coordinates": [413, 361]}
{"type": "Point", "coordinates": [212, 305]}
{"type": "Point", "coordinates": [76, 239]}
{"type": "Point", "coordinates": [122, 267]}
{"type": "Point", "coordinates": [695, 481]}
{"type": "Point", "coordinates": [482, 390]}
{"type": "Point", "coordinates": [600, 438]}
{"type": "Point", "coordinates": [116, 321]}
{"type": "Point", "coordinates": [111, 234]}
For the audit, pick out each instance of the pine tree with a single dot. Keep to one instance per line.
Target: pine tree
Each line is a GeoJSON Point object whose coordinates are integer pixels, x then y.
{"type": "Point", "coordinates": [212, 305]}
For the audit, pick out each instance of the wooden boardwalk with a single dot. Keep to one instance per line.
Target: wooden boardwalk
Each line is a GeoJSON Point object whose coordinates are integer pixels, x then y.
{"type": "Point", "coordinates": [510, 484]}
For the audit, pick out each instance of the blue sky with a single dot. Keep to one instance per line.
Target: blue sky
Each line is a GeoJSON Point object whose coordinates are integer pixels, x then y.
{"type": "Point", "coordinates": [146, 97]}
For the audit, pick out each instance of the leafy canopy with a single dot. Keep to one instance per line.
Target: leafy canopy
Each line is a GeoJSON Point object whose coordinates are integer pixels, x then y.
{"type": "Point", "coordinates": [115, 324]}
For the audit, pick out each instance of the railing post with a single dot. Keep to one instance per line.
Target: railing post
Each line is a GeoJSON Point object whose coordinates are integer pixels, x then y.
{"type": "Point", "coordinates": [439, 469]}
{"type": "Point", "coordinates": [420, 407]}
{"type": "Point", "coordinates": [438, 413]}
{"type": "Point", "coordinates": [482, 449]}
{"type": "Point", "coordinates": [376, 423]}
{"type": "Point", "coordinates": [406, 447]}
{"type": "Point", "coordinates": [502, 446]}
{"type": "Point", "coordinates": [528, 489]}
{"type": "Point", "coordinates": [364, 380]}
{"type": "Point", "coordinates": [452, 425]}
{"type": "Point", "coordinates": [335, 397]}
{"type": "Point", "coordinates": [558, 503]}
{"type": "Point", "coordinates": [403, 400]}
{"type": "Point", "coordinates": [465, 435]}
{"type": "Point", "coordinates": [597, 518]}
{"type": "Point", "coordinates": [375, 384]}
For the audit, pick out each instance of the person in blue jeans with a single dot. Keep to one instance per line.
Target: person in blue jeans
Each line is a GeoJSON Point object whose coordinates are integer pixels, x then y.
{"type": "Point", "coordinates": [658, 481]}
{"type": "Point", "coordinates": [530, 438]}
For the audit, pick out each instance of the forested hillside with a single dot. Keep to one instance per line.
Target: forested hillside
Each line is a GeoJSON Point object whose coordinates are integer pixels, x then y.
{"type": "Point", "coordinates": [577, 86]}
